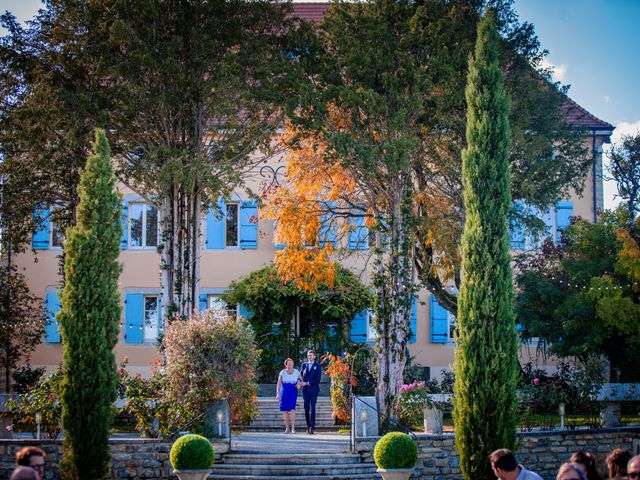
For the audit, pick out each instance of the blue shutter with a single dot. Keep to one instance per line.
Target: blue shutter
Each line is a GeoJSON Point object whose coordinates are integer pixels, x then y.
{"type": "Point", "coordinates": [52, 331]}
{"type": "Point", "coordinates": [358, 331]}
{"type": "Point", "coordinates": [215, 227]}
{"type": "Point", "coordinates": [358, 235]}
{"type": "Point", "coordinates": [564, 212]}
{"type": "Point", "coordinates": [248, 224]}
{"type": "Point", "coordinates": [40, 239]}
{"type": "Point", "coordinates": [439, 322]}
{"type": "Point", "coordinates": [202, 302]}
{"type": "Point", "coordinates": [327, 233]}
{"type": "Point", "coordinates": [413, 320]}
{"type": "Point", "coordinates": [124, 238]}
{"type": "Point", "coordinates": [134, 316]}
{"type": "Point", "coordinates": [244, 311]}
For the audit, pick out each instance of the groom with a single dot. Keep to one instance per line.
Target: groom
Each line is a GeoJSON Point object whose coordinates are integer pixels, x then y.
{"type": "Point", "coordinates": [311, 373]}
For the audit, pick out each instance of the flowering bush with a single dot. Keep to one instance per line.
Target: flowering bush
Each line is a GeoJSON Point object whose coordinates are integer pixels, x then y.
{"type": "Point", "coordinates": [44, 399]}
{"type": "Point", "coordinates": [414, 398]}
{"type": "Point", "coordinates": [339, 369]}
{"type": "Point", "coordinates": [211, 357]}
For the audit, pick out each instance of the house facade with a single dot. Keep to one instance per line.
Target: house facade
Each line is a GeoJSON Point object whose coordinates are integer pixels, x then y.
{"type": "Point", "coordinates": [241, 241]}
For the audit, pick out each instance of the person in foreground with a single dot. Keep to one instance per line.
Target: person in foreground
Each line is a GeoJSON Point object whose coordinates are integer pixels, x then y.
{"type": "Point", "coordinates": [31, 457]}
{"type": "Point", "coordinates": [588, 461]}
{"type": "Point", "coordinates": [617, 463]}
{"type": "Point", "coordinates": [572, 471]}
{"type": "Point", "coordinates": [311, 375]}
{"type": "Point", "coordinates": [505, 466]}
{"type": "Point", "coordinates": [24, 473]}
{"type": "Point", "coordinates": [633, 468]}
{"type": "Point", "coordinates": [289, 381]}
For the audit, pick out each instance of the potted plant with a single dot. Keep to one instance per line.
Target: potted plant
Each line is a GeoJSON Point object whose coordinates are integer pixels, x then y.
{"type": "Point", "coordinates": [192, 457]}
{"type": "Point", "coordinates": [395, 455]}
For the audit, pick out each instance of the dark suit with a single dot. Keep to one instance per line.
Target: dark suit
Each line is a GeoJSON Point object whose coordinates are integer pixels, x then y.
{"type": "Point", "coordinates": [311, 373]}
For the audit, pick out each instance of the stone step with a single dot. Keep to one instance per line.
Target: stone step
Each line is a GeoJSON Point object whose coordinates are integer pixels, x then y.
{"type": "Point", "coordinates": [366, 476]}
{"type": "Point", "coordinates": [288, 459]}
{"type": "Point", "coordinates": [314, 470]}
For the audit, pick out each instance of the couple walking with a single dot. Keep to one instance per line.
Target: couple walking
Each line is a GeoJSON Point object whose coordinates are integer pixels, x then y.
{"type": "Point", "coordinates": [290, 380]}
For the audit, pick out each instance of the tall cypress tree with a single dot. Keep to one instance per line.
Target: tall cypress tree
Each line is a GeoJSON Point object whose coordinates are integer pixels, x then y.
{"type": "Point", "coordinates": [89, 318]}
{"type": "Point", "coordinates": [486, 363]}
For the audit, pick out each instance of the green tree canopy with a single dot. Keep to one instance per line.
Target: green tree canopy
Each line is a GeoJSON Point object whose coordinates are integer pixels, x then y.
{"type": "Point", "coordinates": [581, 297]}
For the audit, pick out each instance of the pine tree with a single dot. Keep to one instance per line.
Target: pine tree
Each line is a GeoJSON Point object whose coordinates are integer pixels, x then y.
{"type": "Point", "coordinates": [89, 318]}
{"type": "Point", "coordinates": [486, 362]}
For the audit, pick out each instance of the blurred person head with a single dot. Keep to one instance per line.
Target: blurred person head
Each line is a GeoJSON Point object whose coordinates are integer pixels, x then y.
{"type": "Point", "coordinates": [24, 473]}
{"type": "Point", "coordinates": [617, 463]}
{"type": "Point", "coordinates": [572, 471]}
{"type": "Point", "coordinates": [587, 460]}
{"type": "Point", "coordinates": [633, 468]}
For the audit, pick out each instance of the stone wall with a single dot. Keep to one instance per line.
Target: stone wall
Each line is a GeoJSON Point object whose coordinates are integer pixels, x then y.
{"type": "Point", "coordinates": [131, 458]}
{"type": "Point", "coordinates": [542, 452]}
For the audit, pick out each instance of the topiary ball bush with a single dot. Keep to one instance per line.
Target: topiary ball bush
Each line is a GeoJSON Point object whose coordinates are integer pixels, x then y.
{"type": "Point", "coordinates": [191, 452]}
{"type": "Point", "coordinates": [395, 450]}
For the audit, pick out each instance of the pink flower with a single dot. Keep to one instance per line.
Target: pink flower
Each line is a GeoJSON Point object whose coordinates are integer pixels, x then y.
{"type": "Point", "coordinates": [536, 381]}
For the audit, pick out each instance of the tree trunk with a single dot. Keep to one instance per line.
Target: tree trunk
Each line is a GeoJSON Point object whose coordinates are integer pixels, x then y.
{"type": "Point", "coordinates": [180, 214]}
{"type": "Point", "coordinates": [395, 285]}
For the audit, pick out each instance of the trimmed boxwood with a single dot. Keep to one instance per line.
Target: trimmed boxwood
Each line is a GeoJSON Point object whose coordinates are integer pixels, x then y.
{"type": "Point", "coordinates": [395, 450]}
{"type": "Point", "coordinates": [191, 452]}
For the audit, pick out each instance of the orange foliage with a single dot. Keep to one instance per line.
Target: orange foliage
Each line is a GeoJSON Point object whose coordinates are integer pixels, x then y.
{"type": "Point", "coordinates": [302, 210]}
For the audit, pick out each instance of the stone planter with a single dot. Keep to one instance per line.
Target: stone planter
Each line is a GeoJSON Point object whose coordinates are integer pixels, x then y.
{"type": "Point", "coordinates": [192, 474]}
{"type": "Point", "coordinates": [433, 420]}
{"type": "Point", "coordinates": [395, 473]}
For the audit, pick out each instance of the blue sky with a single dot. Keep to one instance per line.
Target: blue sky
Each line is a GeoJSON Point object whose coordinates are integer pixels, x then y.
{"type": "Point", "coordinates": [593, 44]}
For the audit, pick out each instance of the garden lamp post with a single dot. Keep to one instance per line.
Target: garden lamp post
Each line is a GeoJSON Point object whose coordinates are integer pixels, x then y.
{"type": "Point", "coordinates": [363, 419]}
{"type": "Point", "coordinates": [219, 417]}
{"type": "Point", "coordinates": [561, 411]}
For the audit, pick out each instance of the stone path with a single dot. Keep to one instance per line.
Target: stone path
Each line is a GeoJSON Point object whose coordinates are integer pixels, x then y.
{"type": "Point", "coordinates": [270, 442]}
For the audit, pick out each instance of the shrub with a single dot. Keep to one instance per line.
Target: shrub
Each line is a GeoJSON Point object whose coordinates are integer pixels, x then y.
{"type": "Point", "coordinates": [413, 399]}
{"type": "Point", "coordinates": [212, 357]}
{"type": "Point", "coordinates": [395, 450]}
{"type": "Point", "coordinates": [191, 452]}
{"type": "Point", "coordinates": [26, 378]}
{"type": "Point", "coordinates": [44, 399]}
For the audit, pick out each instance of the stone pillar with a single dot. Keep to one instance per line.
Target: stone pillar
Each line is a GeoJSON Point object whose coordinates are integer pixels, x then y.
{"type": "Point", "coordinates": [433, 420]}
{"type": "Point", "coordinates": [365, 417]}
{"type": "Point", "coordinates": [217, 421]}
{"type": "Point", "coordinates": [610, 414]}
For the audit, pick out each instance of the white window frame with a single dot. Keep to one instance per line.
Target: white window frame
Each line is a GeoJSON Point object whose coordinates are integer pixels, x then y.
{"type": "Point", "coordinates": [143, 234]}
{"type": "Point", "coordinates": [145, 326]}
{"type": "Point", "coordinates": [52, 226]}
{"type": "Point", "coordinates": [232, 312]}
{"type": "Point", "coordinates": [372, 335]}
{"type": "Point", "coordinates": [452, 324]}
{"type": "Point", "coordinates": [226, 206]}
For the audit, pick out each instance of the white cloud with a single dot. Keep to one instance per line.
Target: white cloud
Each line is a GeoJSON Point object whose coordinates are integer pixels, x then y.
{"type": "Point", "coordinates": [559, 71]}
{"type": "Point", "coordinates": [610, 190]}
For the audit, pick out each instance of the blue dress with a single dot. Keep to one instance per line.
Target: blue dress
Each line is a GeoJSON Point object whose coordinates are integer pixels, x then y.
{"type": "Point", "coordinates": [288, 390]}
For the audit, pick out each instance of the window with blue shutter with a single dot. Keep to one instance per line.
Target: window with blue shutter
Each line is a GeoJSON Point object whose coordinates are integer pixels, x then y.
{"type": "Point", "coordinates": [358, 234]}
{"type": "Point", "coordinates": [215, 227]}
{"type": "Point", "coordinates": [358, 330]}
{"type": "Point", "coordinates": [40, 239]}
{"type": "Point", "coordinates": [244, 311]}
{"type": "Point", "coordinates": [439, 322]}
{"type": "Point", "coordinates": [52, 330]}
{"type": "Point", "coordinates": [134, 317]}
{"type": "Point", "coordinates": [125, 225]}
{"type": "Point", "coordinates": [203, 302]}
{"type": "Point", "coordinates": [517, 238]}
{"type": "Point", "coordinates": [413, 320]}
{"type": "Point", "coordinates": [248, 224]}
{"type": "Point", "coordinates": [564, 212]}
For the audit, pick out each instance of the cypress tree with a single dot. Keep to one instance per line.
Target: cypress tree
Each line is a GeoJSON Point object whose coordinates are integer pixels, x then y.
{"type": "Point", "coordinates": [89, 318]}
{"type": "Point", "coordinates": [486, 362]}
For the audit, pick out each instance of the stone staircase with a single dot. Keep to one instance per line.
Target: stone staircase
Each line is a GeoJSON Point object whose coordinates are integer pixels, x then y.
{"type": "Point", "coordinates": [269, 416]}
{"type": "Point", "coordinates": [293, 466]}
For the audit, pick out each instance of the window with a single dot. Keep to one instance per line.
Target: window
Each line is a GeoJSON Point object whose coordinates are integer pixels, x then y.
{"type": "Point", "coordinates": [218, 305]}
{"type": "Point", "coordinates": [231, 225]}
{"type": "Point", "coordinates": [143, 225]}
{"type": "Point", "coordinates": [151, 314]}
{"type": "Point", "coordinates": [372, 335]}
{"type": "Point", "coordinates": [453, 325]}
{"type": "Point", "coordinates": [57, 235]}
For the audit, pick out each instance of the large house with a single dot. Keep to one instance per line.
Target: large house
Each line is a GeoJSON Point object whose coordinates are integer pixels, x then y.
{"type": "Point", "coordinates": [241, 242]}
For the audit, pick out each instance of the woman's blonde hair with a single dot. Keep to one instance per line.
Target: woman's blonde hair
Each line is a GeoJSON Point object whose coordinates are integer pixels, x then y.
{"type": "Point", "coordinates": [287, 359]}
